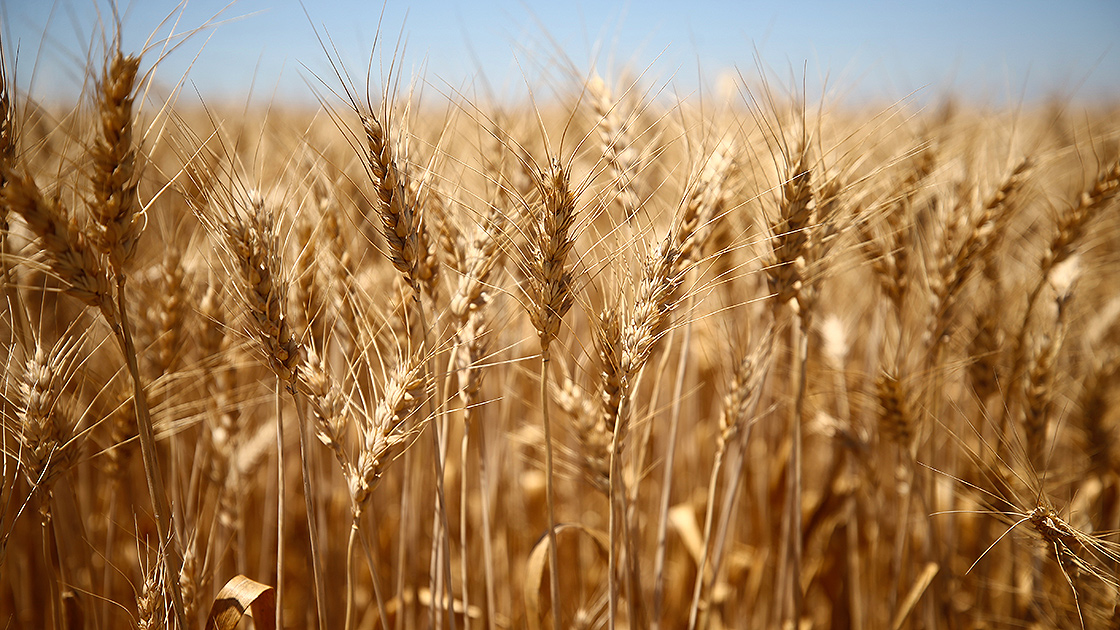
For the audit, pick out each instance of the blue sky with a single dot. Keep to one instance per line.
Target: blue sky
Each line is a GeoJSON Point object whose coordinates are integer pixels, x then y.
{"type": "Point", "coordinates": [993, 52]}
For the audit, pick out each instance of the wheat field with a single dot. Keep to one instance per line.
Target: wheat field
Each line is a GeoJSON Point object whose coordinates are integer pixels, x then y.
{"type": "Point", "coordinates": [614, 359]}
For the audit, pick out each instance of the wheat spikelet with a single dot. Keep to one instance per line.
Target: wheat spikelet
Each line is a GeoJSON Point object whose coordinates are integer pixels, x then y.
{"type": "Point", "coordinates": [889, 253]}
{"type": "Point", "coordinates": [1038, 404]}
{"type": "Point", "coordinates": [795, 211]}
{"type": "Point", "coordinates": [507, 171]}
{"type": "Point", "coordinates": [785, 271]}
{"type": "Point", "coordinates": [432, 209]}
{"type": "Point", "coordinates": [1039, 390]}
{"type": "Point", "coordinates": [1077, 551]}
{"type": "Point", "coordinates": [549, 296]}
{"type": "Point", "coordinates": [7, 157]}
{"type": "Point", "coordinates": [151, 602]}
{"type": "Point", "coordinates": [984, 353]}
{"type": "Point", "coordinates": [1094, 405]}
{"type": "Point", "coordinates": [475, 261]}
{"type": "Point", "coordinates": [8, 139]}
{"type": "Point", "coordinates": [322, 276]}
{"type": "Point", "coordinates": [626, 341]}
{"type": "Point", "coordinates": [8, 131]}
{"type": "Point", "coordinates": [1071, 227]}
{"type": "Point", "coordinates": [990, 225]}
{"type": "Point", "coordinates": [614, 375]}
{"type": "Point", "coordinates": [832, 217]}
{"type": "Point", "coordinates": [171, 311]}
{"type": "Point", "coordinates": [193, 580]}
{"type": "Point", "coordinates": [744, 393]}
{"type": "Point", "coordinates": [594, 453]}
{"type": "Point", "coordinates": [958, 259]}
{"type": "Point", "coordinates": [307, 296]}
{"type": "Point", "coordinates": [653, 304]}
{"type": "Point", "coordinates": [122, 436]}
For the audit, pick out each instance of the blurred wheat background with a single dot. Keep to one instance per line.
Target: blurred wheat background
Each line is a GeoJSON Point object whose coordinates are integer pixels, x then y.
{"type": "Point", "coordinates": [610, 354]}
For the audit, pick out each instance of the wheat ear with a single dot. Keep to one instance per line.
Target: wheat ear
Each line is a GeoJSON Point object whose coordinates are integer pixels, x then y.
{"type": "Point", "coordinates": [117, 224]}
{"type": "Point", "coordinates": [46, 436]}
{"type": "Point", "coordinates": [625, 342]}
{"type": "Point", "coordinates": [617, 143]}
{"type": "Point", "coordinates": [1041, 374]}
{"type": "Point", "coordinates": [702, 210]}
{"type": "Point", "coordinates": [114, 175]}
{"type": "Point", "coordinates": [67, 249]}
{"type": "Point", "coordinates": [399, 221]}
{"type": "Point", "coordinates": [330, 411]}
{"type": "Point", "coordinates": [957, 260]}
{"type": "Point", "coordinates": [1071, 228]}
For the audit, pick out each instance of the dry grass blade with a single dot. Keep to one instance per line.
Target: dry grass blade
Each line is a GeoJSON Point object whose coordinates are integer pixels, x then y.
{"type": "Point", "coordinates": [239, 595]}
{"type": "Point", "coordinates": [925, 578]}
{"type": "Point", "coordinates": [534, 569]}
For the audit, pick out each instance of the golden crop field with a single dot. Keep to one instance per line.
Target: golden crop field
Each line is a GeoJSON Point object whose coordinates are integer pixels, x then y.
{"type": "Point", "coordinates": [606, 359]}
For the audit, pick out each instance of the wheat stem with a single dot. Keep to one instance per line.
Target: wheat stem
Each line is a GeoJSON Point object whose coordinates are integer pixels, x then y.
{"type": "Point", "coordinates": [312, 523]}
{"type": "Point", "coordinates": [381, 610]}
{"type": "Point", "coordinates": [169, 542]}
{"type": "Point", "coordinates": [801, 342]}
{"type": "Point", "coordinates": [350, 574]}
{"type": "Point", "coordinates": [280, 493]}
{"type": "Point", "coordinates": [437, 460]}
{"type": "Point", "coordinates": [667, 477]}
{"type": "Point", "coordinates": [550, 492]}
{"type": "Point", "coordinates": [487, 532]}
